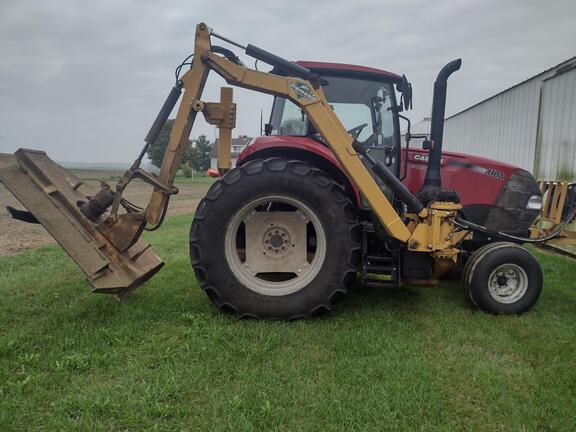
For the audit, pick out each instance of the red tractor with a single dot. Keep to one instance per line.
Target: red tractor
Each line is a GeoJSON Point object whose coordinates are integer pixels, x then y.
{"type": "Point", "coordinates": [498, 196]}
{"type": "Point", "coordinates": [329, 190]}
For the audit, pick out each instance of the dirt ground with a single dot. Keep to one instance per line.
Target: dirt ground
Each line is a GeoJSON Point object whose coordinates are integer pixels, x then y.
{"type": "Point", "coordinates": [16, 236]}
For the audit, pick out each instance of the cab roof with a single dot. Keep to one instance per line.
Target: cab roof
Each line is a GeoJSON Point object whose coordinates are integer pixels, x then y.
{"type": "Point", "coordinates": [343, 68]}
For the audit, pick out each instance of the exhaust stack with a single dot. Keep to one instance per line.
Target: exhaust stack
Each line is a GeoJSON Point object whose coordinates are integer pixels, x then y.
{"type": "Point", "coordinates": [433, 178]}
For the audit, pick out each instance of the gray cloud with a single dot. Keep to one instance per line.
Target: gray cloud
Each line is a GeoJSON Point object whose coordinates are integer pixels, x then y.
{"type": "Point", "coordinates": [83, 80]}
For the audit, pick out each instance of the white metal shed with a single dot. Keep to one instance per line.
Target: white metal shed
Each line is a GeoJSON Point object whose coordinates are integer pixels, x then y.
{"type": "Point", "coordinates": [531, 125]}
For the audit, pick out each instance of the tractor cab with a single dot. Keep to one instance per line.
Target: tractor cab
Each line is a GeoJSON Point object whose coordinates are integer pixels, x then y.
{"type": "Point", "coordinates": [363, 98]}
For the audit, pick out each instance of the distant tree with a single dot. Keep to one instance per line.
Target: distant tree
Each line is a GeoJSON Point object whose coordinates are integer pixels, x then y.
{"type": "Point", "coordinates": [158, 148]}
{"type": "Point", "coordinates": [186, 170]}
{"type": "Point", "coordinates": [190, 156]}
{"type": "Point", "coordinates": [200, 154]}
{"type": "Point", "coordinates": [196, 154]}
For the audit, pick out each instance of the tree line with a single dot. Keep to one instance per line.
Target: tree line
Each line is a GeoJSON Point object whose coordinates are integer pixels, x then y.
{"type": "Point", "coordinates": [196, 155]}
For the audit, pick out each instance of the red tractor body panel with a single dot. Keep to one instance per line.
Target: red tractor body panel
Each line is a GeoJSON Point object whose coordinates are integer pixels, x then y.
{"type": "Point", "coordinates": [346, 68]}
{"type": "Point", "coordinates": [278, 145]}
{"type": "Point", "coordinates": [477, 180]}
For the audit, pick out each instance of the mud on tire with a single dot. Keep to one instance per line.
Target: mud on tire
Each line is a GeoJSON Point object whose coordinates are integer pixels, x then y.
{"type": "Point", "coordinates": [295, 181]}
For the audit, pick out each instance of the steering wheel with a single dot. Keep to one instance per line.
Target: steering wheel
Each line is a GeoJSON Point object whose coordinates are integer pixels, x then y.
{"type": "Point", "coordinates": [355, 131]}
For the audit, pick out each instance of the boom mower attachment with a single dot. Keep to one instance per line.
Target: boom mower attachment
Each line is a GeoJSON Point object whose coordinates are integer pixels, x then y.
{"type": "Point", "coordinates": [54, 197]}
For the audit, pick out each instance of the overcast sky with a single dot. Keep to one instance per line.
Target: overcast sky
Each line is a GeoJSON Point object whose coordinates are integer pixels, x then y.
{"type": "Point", "coordinates": [83, 80]}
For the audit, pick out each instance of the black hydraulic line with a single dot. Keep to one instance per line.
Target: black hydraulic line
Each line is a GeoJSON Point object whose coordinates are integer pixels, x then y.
{"type": "Point", "coordinates": [161, 221]}
{"type": "Point", "coordinates": [227, 53]}
{"type": "Point", "coordinates": [160, 121]}
{"type": "Point", "coordinates": [164, 112]}
{"type": "Point", "coordinates": [225, 39]}
{"type": "Point", "coordinates": [382, 171]}
{"type": "Point", "coordinates": [284, 65]}
{"type": "Point", "coordinates": [475, 227]}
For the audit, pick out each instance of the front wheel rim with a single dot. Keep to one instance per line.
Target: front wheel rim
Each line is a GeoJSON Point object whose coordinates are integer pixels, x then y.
{"type": "Point", "coordinates": [508, 283]}
{"type": "Point", "coordinates": [268, 243]}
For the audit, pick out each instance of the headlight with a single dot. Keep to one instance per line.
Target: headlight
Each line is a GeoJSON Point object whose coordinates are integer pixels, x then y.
{"type": "Point", "coordinates": [534, 203]}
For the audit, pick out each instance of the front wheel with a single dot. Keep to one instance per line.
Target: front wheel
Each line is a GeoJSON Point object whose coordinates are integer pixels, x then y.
{"type": "Point", "coordinates": [275, 239]}
{"type": "Point", "coordinates": [503, 278]}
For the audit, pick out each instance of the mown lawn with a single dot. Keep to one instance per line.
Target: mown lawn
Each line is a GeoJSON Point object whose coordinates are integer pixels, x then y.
{"type": "Point", "coordinates": [165, 359]}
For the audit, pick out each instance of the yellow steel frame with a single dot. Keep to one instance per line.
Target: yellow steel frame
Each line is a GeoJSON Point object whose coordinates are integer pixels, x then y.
{"type": "Point", "coordinates": [432, 228]}
{"type": "Point", "coordinates": [555, 194]}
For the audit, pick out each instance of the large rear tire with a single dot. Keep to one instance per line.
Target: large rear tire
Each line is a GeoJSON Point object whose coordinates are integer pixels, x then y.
{"type": "Point", "coordinates": [275, 239]}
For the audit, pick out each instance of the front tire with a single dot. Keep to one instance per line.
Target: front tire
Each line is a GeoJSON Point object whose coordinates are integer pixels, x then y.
{"type": "Point", "coordinates": [503, 278]}
{"type": "Point", "coordinates": [275, 239]}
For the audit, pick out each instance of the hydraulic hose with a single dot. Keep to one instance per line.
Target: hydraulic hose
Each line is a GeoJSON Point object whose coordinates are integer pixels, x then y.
{"type": "Point", "coordinates": [287, 66]}
{"type": "Point", "coordinates": [463, 223]}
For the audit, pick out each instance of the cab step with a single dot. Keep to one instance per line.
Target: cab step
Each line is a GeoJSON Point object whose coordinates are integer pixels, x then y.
{"type": "Point", "coordinates": [378, 271]}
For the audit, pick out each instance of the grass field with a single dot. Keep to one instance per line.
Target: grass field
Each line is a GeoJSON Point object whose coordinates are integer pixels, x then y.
{"type": "Point", "coordinates": [410, 359]}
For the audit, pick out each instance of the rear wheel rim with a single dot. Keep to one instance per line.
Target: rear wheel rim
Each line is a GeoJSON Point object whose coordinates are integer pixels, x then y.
{"type": "Point", "coordinates": [271, 243]}
{"type": "Point", "coordinates": [508, 283]}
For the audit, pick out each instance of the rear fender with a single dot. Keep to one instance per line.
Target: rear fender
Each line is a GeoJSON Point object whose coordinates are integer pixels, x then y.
{"type": "Point", "coordinates": [305, 149]}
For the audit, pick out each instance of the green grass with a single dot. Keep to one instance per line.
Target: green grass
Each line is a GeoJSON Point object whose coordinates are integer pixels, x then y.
{"type": "Point", "coordinates": [165, 359]}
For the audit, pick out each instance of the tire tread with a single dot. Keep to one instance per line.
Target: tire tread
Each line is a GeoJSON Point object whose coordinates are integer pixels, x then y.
{"type": "Point", "coordinates": [276, 165]}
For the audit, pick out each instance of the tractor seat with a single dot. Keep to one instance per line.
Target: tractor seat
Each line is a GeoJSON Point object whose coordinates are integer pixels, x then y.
{"type": "Point", "coordinates": [434, 193]}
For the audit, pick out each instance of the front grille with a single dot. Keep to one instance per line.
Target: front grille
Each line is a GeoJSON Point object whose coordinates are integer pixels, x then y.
{"type": "Point", "coordinates": [510, 213]}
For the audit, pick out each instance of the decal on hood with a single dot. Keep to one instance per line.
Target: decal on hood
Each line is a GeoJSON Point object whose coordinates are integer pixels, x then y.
{"type": "Point", "coordinates": [490, 172]}
{"type": "Point", "coordinates": [424, 158]}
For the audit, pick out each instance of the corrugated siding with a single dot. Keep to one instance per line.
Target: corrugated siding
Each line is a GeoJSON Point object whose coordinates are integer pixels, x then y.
{"type": "Point", "coordinates": [531, 125]}
{"type": "Point", "coordinates": [503, 128]}
{"type": "Point", "coordinates": [556, 143]}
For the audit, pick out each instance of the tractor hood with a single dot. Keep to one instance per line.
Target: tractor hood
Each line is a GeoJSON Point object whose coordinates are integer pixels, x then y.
{"type": "Point", "coordinates": [485, 186]}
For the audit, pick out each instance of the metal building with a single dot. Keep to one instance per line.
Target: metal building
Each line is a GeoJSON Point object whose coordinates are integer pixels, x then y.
{"type": "Point", "coordinates": [531, 125]}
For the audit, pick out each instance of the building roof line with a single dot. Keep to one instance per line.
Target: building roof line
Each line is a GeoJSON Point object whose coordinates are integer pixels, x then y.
{"type": "Point", "coordinates": [562, 67]}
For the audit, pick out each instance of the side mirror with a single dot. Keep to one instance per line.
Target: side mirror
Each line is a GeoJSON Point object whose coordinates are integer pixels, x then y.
{"type": "Point", "coordinates": [405, 88]}
{"type": "Point", "coordinates": [268, 129]}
